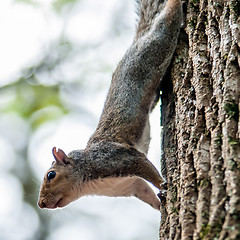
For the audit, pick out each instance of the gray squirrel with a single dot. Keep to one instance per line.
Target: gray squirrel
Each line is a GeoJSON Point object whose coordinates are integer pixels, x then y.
{"type": "Point", "coordinates": [114, 162]}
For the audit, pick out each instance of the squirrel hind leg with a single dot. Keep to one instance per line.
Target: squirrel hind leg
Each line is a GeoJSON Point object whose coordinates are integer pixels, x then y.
{"type": "Point", "coordinates": [157, 96]}
{"type": "Point", "coordinates": [147, 11]}
{"type": "Point", "coordinates": [122, 187]}
{"type": "Point", "coordinates": [143, 143]}
{"type": "Point", "coordinates": [145, 193]}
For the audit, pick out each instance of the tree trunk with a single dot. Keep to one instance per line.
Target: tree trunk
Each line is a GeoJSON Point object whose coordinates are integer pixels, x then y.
{"type": "Point", "coordinates": [201, 125]}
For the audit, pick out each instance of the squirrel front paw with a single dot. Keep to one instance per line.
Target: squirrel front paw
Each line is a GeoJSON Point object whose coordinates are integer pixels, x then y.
{"type": "Point", "coordinates": [162, 196]}
{"type": "Point", "coordinates": [164, 185]}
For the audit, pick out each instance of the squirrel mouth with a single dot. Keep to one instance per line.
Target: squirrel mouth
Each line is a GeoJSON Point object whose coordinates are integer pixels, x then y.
{"type": "Point", "coordinates": [59, 203]}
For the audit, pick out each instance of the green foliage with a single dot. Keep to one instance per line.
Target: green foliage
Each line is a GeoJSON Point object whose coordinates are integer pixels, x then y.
{"type": "Point", "coordinates": [31, 2]}
{"type": "Point", "coordinates": [218, 140]}
{"type": "Point", "coordinates": [235, 6]}
{"type": "Point", "coordinates": [174, 210]}
{"type": "Point", "coordinates": [60, 4]}
{"type": "Point", "coordinates": [30, 99]}
{"type": "Point", "coordinates": [202, 183]}
{"type": "Point", "coordinates": [194, 4]}
{"type": "Point", "coordinates": [193, 22]}
{"type": "Point", "coordinates": [233, 142]}
{"type": "Point", "coordinates": [174, 194]}
{"type": "Point", "coordinates": [205, 231]}
{"type": "Point", "coordinates": [231, 109]}
{"type": "Point", "coordinates": [233, 164]}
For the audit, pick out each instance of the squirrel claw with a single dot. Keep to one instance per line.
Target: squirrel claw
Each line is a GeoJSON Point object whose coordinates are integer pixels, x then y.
{"type": "Point", "coordinates": [162, 196]}
{"type": "Point", "coordinates": [164, 185]}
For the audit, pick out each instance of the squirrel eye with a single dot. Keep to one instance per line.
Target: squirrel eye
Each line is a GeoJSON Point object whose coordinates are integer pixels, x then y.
{"type": "Point", "coordinates": [51, 175]}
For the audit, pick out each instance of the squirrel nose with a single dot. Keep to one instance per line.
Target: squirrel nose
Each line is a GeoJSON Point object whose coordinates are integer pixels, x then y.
{"type": "Point", "coordinates": [41, 204]}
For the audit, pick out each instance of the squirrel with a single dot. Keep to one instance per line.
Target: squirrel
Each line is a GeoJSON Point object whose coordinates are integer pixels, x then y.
{"type": "Point", "coordinates": [114, 162]}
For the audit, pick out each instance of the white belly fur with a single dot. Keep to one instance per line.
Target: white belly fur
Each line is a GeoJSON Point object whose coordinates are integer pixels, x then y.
{"type": "Point", "coordinates": [143, 144]}
{"type": "Point", "coordinates": [121, 187]}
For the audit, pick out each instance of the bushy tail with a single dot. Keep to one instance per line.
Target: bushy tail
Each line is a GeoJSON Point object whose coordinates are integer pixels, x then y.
{"type": "Point", "coordinates": [147, 11]}
{"type": "Point", "coordinates": [139, 73]}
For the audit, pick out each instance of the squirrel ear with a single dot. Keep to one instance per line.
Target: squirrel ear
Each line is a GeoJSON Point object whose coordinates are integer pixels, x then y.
{"type": "Point", "coordinates": [60, 156]}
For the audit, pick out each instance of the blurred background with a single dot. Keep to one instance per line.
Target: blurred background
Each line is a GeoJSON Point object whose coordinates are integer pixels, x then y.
{"type": "Point", "coordinates": [57, 58]}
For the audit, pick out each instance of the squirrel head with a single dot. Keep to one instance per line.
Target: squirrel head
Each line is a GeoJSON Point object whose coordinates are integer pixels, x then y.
{"type": "Point", "coordinates": [83, 172]}
{"type": "Point", "coordinates": [56, 189]}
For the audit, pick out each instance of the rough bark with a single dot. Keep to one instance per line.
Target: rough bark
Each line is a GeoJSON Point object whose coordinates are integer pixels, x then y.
{"type": "Point", "coordinates": [201, 125]}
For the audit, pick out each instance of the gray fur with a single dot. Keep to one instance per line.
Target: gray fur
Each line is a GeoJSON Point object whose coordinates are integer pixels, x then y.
{"type": "Point", "coordinates": [115, 150]}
